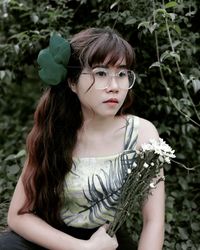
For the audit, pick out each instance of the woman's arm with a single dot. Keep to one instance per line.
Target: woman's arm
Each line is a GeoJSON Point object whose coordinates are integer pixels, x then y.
{"type": "Point", "coordinates": [36, 230]}
{"type": "Point", "coordinates": [153, 210]}
{"type": "Point", "coordinates": [152, 235]}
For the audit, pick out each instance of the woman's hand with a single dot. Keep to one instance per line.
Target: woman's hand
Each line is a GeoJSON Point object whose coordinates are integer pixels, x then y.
{"type": "Point", "coordinates": [100, 240]}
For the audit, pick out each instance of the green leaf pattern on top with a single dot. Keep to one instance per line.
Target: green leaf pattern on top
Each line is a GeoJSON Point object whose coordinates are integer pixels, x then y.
{"type": "Point", "coordinates": [111, 185]}
{"type": "Point", "coordinates": [92, 188]}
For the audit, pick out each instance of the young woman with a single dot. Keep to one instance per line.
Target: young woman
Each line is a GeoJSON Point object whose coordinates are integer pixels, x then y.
{"type": "Point", "coordinates": [64, 198]}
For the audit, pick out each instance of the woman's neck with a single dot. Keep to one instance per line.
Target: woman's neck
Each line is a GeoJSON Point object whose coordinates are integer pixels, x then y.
{"type": "Point", "coordinates": [99, 137]}
{"type": "Point", "coordinates": [98, 124]}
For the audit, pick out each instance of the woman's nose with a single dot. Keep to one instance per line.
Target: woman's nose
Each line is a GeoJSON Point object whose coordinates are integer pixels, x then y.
{"type": "Point", "coordinates": [113, 84]}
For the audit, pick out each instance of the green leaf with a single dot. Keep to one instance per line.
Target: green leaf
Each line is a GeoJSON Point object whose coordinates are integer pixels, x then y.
{"type": "Point", "coordinates": [10, 157]}
{"type": "Point", "coordinates": [195, 227]}
{"type": "Point", "coordinates": [183, 182]}
{"type": "Point", "coordinates": [183, 233]}
{"type": "Point", "coordinates": [144, 24]}
{"type": "Point", "coordinates": [2, 74]}
{"type": "Point", "coordinates": [20, 154]}
{"type": "Point", "coordinates": [176, 28]}
{"type": "Point", "coordinates": [196, 85]}
{"type": "Point", "coordinates": [164, 55]}
{"type": "Point", "coordinates": [114, 4]}
{"type": "Point", "coordinates": [153, 27]}
{"type": "Point", "coordinates": [34, 18]}
{"type": "Point", "coordinates": [175, 55]}
{"type": "Point", "coordinates": [166, 68]}
{"type": "Point", "coordinates": [131, 21]}
{"type": "Point", "coordinates": [168, 227]}
{"type": "Point", "coordinates": [170, 217]}
{"type": "Point", "coordinates": [12, 170]}
{"type": "Point", "coordinates": [163, 12]}
{"type": "Point", "coordinates": [172, 16]}
{"type": "Point", "coordinates": [155, 64]}
{"type": "Point", "coordinates": [176, 43]}
{"type": "Point", "coordinates": [171, 4]}
{"type": "Point", "coordinates": [16, 48]}
{"type": "Point", "coordinates": [191, 13]}
{"type": "Point", "coordinates": [168, 54]}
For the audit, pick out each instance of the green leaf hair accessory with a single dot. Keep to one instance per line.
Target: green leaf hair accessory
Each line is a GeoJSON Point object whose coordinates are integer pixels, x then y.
{"type": "Point", "coordinates": [53, 60]}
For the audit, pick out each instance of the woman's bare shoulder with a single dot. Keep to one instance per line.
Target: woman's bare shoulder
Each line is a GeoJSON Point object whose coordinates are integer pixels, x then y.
{"type": "Point", "coordinates": [146, 131]}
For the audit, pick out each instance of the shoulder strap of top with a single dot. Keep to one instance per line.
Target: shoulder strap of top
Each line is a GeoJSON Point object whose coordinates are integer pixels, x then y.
{"type": "Point", "coordinates": [131, 133]}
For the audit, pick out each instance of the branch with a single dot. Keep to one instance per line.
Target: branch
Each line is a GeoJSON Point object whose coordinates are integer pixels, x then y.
{"type": "Point", "coordinates": [162, 75]}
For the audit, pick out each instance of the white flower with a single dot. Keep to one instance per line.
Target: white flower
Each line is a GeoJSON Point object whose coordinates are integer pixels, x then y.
{"type": "Point", "coordinates": [163, 178]}
{"type": "Point", "coordinates": [145, 165]}
{"type": "Point", "coordinates": [159, 147]}
{"type": "Point", "coordinates": [134, 165]}
{"type": "Point", "coordinates": [5, 15]}
{"type": "Point", "coordinates": [128, 170]}
{"type": "Point", "coordinates": [158, 151]}
{"type": "Point", "coordinates": [161, 158]}
{"type": "Point", "coordinates": [167, 159]}
{"type": "Point", "coordinates": [152, 185]}
{"type": "Point", "coordinates": [138, 152]}
{"type": "Point", "coordinates": [152, 164]}
{"type": "Point", "coordinates": [146, 147]}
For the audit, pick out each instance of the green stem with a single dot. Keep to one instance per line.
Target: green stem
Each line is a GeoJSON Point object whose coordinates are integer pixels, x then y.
{"type": "Point", "coordinates": [179, 69]}
{"type": "Point", "coordinates": [162, 75]}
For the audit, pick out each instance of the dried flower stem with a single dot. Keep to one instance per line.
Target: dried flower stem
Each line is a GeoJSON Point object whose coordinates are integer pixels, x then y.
{"type": "Point", "coordinates": [141, 179]}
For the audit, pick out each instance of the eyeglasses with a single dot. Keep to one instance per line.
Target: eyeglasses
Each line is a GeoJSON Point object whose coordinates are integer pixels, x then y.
{"type": "Point", "coordinates": [102, 78]}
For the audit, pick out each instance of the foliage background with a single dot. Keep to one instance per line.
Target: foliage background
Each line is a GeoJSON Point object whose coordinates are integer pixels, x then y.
{"type": "Point", "coordinates": [166, 39]}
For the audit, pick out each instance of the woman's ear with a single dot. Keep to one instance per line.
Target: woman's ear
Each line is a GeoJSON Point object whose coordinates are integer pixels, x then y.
{"type": "Point", "coordinates": [72, 85]}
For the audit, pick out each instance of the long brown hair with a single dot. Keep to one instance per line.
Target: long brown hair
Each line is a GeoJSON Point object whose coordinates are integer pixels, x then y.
{"type": "Point", "coordinates": [58, 118]}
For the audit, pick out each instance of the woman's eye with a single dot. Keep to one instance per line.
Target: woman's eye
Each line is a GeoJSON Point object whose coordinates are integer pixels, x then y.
{"type": "Point", "coordinates": [100, 73]}
{"type": "Point", "coordinates": [122, 74]}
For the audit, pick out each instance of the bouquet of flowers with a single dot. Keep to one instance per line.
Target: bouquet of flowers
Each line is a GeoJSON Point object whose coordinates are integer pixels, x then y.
{"type": "Point", "coordinates": [142, 177]}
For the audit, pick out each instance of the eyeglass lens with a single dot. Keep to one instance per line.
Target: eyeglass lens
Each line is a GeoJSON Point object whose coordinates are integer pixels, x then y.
{"type": "Point", "coordinates": [124, 78]}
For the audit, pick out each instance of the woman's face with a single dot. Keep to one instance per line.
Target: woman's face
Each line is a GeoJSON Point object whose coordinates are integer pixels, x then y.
{"type": "Point", "coordinates": [97, 95]}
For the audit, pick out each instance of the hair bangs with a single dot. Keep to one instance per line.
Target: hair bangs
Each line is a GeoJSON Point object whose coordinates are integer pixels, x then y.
{"type": "Point", "coordinates": [109, 50]}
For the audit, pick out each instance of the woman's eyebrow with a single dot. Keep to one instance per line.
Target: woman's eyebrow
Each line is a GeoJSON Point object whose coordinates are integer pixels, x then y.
{"type": "Point", "coordinates": [100, 66]}
{"type": "Point", "coordinates": [122, 66]}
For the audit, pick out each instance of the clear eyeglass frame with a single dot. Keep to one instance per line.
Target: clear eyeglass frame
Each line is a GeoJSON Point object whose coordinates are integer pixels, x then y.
{"type": "Point", "coordinates": [102, 78]}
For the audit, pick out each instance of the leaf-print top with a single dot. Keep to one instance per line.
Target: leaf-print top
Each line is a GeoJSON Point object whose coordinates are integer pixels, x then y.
{"type": "Point", "coordinates": [92, 188]}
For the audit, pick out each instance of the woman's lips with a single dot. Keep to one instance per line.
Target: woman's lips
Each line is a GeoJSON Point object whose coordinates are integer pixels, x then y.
{"type": "Point", "coordinates": [111, 100]}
